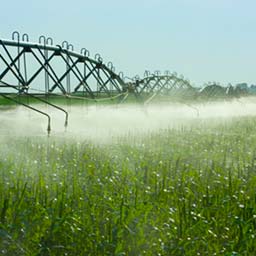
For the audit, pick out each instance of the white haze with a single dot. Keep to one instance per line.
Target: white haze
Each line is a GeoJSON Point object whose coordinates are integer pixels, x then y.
{"type": "Point", "coordinates": [102, 123]}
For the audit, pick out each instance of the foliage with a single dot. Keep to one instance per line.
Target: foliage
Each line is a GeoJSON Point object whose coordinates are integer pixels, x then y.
{"type": "Point", "coordinates": [186, 191]}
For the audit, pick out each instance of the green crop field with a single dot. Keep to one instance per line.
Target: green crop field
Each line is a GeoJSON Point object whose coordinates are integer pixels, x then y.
{"type": "Point", "coordinates": [188, 190]}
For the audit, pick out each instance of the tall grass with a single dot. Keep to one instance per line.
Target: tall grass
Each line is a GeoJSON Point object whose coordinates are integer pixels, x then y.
{"type": "Point", "coordinates": [187, 191]}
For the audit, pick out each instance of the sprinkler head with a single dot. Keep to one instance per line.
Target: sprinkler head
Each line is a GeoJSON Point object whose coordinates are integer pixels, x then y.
{"type": "Point", "coordinates": [49, 129]}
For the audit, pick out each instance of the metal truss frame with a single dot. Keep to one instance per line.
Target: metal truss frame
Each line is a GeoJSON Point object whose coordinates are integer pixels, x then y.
{"type": "Point", "coordinates": [84, 70]}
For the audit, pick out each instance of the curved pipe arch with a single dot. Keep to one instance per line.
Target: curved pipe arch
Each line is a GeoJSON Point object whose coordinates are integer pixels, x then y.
{"type": "Point", "coordinates": [49, 41]}
{"type": "Point", "coordinates": [16, 33]}
{"type": "Point", "coordinates": [64, 45]}
{"type": "Point", "coordinates": [42, 40]}
{"type": "Point", "coordinates": [25, 37]}
{"type": "Point", "coordinates": [85, 52]}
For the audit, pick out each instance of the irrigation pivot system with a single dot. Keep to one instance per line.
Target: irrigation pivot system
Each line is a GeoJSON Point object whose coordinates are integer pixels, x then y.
{"type": "Point", "coordinates": [165, 85]}
{"type": "Point", "coordinates": [55, 69]}
{"type": "Point", "coordinates": [42, 70]}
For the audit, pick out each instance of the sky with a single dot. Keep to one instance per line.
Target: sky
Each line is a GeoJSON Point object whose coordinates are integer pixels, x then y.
{"type": "Point", "coordinates": [203, 40]}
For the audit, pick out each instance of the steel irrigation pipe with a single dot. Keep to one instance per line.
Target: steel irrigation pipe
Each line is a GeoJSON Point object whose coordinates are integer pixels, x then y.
{"type": "Point", "coordinates": [146, 73]}
{"type": "Point", "coordinates": [71, 46]}
{"type": "Point", "coordinates": [34, 109]}
{"type": "Point", "coordinates": [42, 100]}
{"type": "Point", "coordinates": [49, 41]}
{"type": "Point", "coordinates": [17, 34]}
{"type": "Point", "coordinates": [121, 75]}
{"type": "Point", "coordinates": [66, 45]}
{"type": "Point", "coordinates": [110, 65]}
{"type": "Point", "coordinates": [98, 58]}
{"type": "Point", "coordinates": [42, 37]}
{"type": "Point", "coordinates": [50, 104]}
{"type": "Point", "coordinates": [85, 52]}
{"type": "Point", "coordinates": [42, 40]}
{"type": "Point", "coordinates": [25, 37]}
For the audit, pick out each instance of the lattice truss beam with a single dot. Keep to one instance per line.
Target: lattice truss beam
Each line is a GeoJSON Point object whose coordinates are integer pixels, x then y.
{"type": "Point", "coordinates": [167, 84]}
{"type": "Point", "coordinates": [45, 68]}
